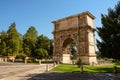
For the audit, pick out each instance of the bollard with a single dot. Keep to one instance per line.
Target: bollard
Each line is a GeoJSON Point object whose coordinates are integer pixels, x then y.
{"type": "Point", "coordinates": [5, 59]}
{"type": "Point", "coordinates": [115, 70]}
{"type": "Point", "coordinates": [25, 61]}
{"type": "Point", "coordinates": [13, 60]}
{"type": "Point", "coordinates": [40, 62]}
{"type": "Point", "coordinates": [54, 64]}
{"type": "Point", "coordinates": [47, 67]}
{"type": "Point", "coordinates": [81, 68]}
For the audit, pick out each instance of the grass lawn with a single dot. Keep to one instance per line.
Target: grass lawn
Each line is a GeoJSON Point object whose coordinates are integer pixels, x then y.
{"type": "Point", "coordinates": [74, 68]}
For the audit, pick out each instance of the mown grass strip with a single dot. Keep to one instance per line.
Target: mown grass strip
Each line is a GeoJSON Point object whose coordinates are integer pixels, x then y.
{"type": "Point", "coordinates": [87, 68]}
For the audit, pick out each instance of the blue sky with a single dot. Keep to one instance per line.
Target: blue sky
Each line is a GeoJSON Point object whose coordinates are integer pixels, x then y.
{"type": "Point", "coordinates": [40, 13]}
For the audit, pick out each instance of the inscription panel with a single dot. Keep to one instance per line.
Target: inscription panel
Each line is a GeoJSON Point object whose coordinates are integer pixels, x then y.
{"type": "Point", "coordinates": [68, 23]}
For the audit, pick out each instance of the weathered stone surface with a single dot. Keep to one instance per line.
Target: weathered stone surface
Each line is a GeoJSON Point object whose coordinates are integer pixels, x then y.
{"type": "Point", "coordinates": [80, 29]}
{"type": "Point", "coordinates": [66, 58]}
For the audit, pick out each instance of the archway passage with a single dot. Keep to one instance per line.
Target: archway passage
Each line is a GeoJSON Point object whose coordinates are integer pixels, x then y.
{"type": "Point", "coordinates": [79, 29]}
{"type": "Point", "coordinates": [69, 51]}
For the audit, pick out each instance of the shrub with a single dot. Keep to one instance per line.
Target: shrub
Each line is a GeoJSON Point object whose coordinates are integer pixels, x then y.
{"type": "Point", "coordinates": [20, 56]}
{"type": "Point", "coordinates": [32, 60]}
{"type": "Point", "coordinates": [47, 61]}
{"type": "Point", "coordinates": [79, 62]}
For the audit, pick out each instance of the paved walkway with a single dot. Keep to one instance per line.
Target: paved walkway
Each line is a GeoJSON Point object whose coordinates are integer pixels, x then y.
{"type": "Point", "coordinates": [20, 71]}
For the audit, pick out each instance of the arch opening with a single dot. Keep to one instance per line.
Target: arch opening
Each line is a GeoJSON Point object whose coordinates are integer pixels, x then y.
{"type": "Point", "coordinates": [69, 50]}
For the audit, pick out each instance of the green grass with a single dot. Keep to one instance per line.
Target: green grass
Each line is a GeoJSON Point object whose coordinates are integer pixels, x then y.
{"type": "Point", "coordinates": [74, 68]}
{"type": "Point", "coordinates": [65, 68]}
{"type": "Point", "coordinates": [107, 69]}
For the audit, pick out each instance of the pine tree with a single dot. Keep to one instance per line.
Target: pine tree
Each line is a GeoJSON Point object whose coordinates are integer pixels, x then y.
{"type": "Point", "coordinates": [109, 45]}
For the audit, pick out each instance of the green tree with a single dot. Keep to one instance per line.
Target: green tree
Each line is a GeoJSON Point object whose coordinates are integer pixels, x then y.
{"type": "Point", "coordinates": [14, 42]}
{"type": "Point", "coordinates": [109, 45]}
{"type": "Point", "coordinates": [29, 40]}
{"type": "Point", "coordinates": [3, 35]}
{"type": "Point", "coordinates": [3, 49]}
{"type": "Point", "coordinates": [42, 47]}
{"type": "Point", "coordinates": [50, 52]}
{"type": "Point", "coordinates": [40, 53]}
{"type": "Point", "coordinates": [31, 33]}
{"type": "Point", "coordinates": [43, 42]}
{"type": "Point", "coordinates": [28, 46]}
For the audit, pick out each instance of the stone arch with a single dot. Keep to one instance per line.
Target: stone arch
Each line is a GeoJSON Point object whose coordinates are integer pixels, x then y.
{"type": "Point", "coordinates": [78, 28]}
{"type": "Point", "coordinates": [66, 50]}
{"type": "Point", "coordinates": [69, 41]}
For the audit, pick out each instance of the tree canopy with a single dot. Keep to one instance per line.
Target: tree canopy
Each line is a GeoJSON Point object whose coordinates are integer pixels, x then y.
{"type": "Point", "coordinates": [109, 45]}
{"type": "Point", "coordinates": [3, 35]}
{"type": "Point", "coordinates": [13, 40]}
{"type": "Point", "coordinates": [12, 43]}
{"type": "Point", "coordinates": [42, 47]}
{"type": "Point", "coordinates": [29, 41]}
{"type": "Point", "coordinates": [31, 33]}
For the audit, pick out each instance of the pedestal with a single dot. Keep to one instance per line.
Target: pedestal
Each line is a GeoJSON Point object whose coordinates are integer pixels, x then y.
{"type": "Point", "coordinates": [66, 59]}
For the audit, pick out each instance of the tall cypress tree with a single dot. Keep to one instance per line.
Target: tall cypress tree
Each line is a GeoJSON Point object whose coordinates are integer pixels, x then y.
{"type": "Point", "coordinates": [14, 42]}
{"type": "Point", "coordinates": [109, 45]}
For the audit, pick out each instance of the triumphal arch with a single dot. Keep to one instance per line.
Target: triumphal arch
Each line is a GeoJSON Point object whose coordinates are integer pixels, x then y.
{"type": "Point", "coordinates": [80, 29]}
